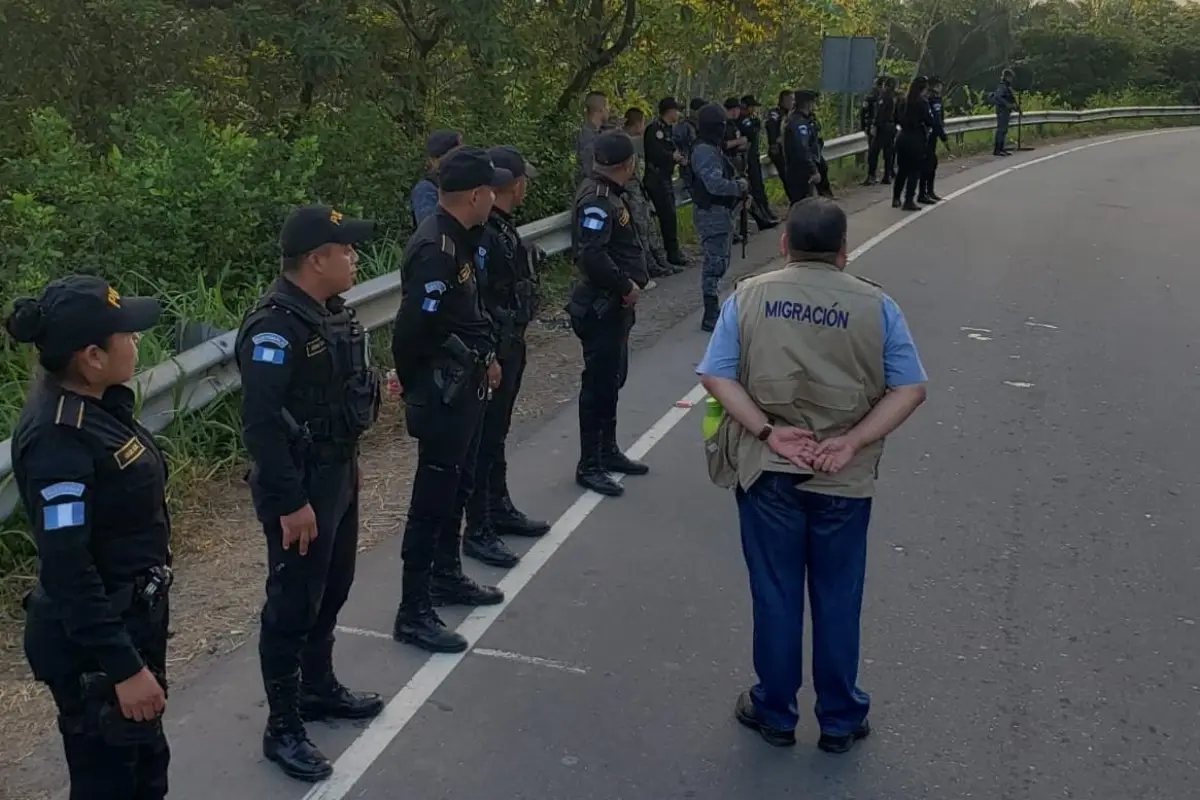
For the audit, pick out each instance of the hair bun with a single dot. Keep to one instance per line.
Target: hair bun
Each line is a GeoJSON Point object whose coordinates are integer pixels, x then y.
{"type": "Point", "coordinates": [25, 322]}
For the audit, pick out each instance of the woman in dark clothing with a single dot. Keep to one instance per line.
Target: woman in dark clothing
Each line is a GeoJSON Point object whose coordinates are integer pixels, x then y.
{"type": "Point", "coordinates": [916, 121]}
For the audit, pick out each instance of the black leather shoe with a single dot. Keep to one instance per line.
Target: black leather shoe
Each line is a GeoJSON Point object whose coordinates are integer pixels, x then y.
{"type": "Point", "coordinates": [482, 544]}
{"type": "Point", "coordinates": [337, 702]}
{"type": "Point", "coordinates": [508, 521]}
{"type": "Point", "coordinates": [843, 744]}
{"type": "Point", "coordinates": [909, 205]}
{"type": "Point", "coordinates": [933, 198]}
{"type": "Point", "coordinates": [459, 590]}
{"type": "Point", "coordinates": [895, 203]}
{"type": "Point", "coordinates": [616, 461]}
{"type": "Point", "coordinates": [746, 714]}
{"type": "Point", "coordinates": [925, 200]}
{"type": "Point", "coordinates": [425, 629]}
{"type": "Point", "coordinates": [299, 758]}
{"type": "Point", "coordinates": [598, 481]}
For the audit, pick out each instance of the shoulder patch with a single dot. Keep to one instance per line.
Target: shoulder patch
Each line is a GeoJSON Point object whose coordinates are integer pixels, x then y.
{"type": "Point", "coordinates": [63, 515]}
{"type": "Point", "coordinates": [65, 489]}
{"type": "Point", "coordinates": [436, 287]}
{"type": "Point", "coordinates": [658, 134]}
{"type": "Point", "coordinates": [448, 246]}
{"type": "Point", "coordinates": [268, 353]}
{"type": "Point", "coordinates": [595, 211]}
{"type": "Point", "coordinates": [129, 452]}
{"type": "Point", "coordinates": [464, 273]}
{"type": "Point", "coordinates": [69, 411]}
{"type": "Point", "coordinates": [269, 338]}
{"type": "Point", "coordinates": [623, 218]}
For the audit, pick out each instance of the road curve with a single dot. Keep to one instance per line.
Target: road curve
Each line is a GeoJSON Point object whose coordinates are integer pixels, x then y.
{"type": "Point", "coordinates": [1032, 623]}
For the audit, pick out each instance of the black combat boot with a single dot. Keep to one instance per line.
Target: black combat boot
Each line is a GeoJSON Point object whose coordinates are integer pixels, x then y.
{"type": "Point", "coordinates": [482, 544]}
{"type": "Point", "coordinates": [285, 741]}
{"type": "Point", "coordinates": [323, 697]}
{"type": "Point", "coordinates": [590, 473]}
{"type": "Point", "coordinates": [712, 310]}
{"type": "Point", "coordinates": [611, 457]}
{"type": "Point", "coordinates": [506, 520]}
{"type": "Point", "coordinates": [418, 624]}
{"type": "Point", "coordinates": [449, 586]}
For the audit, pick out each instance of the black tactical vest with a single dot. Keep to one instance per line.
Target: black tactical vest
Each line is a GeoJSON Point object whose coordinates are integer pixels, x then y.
{"type": "Point", "coordinates": [700, 194]}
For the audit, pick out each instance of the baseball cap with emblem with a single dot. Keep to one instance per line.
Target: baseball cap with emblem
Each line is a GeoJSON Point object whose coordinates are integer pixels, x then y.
{"type": "Point", "coordinates": [466, 168]}
{"type": "Point", "coordinates": [613, 148]}
{"type": "Point", "coordinates": [310, 227]}
{"type": "Point", "coordinates": [668, 104]}
{"type": "Point", "coordinates": [76, 312]}
{"type": "Point", "coordinates": [510, 158]}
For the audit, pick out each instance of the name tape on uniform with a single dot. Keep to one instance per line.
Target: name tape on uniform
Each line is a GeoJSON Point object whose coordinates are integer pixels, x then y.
{"type": "Point", "coordinates": [65, 489]}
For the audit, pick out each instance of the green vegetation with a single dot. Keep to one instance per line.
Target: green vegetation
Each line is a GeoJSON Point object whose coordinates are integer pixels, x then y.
{"type": "Point", "coordinates": [160, 142]}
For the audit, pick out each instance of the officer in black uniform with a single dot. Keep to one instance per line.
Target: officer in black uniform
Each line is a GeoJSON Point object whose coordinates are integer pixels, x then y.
{"type": "Point", "coordinates": [444, 346]}
{"type": "Point", "coordinates": [751, 128]}
{"type": "Point", "coordinates": [737, 149]}
{"type": "Point", "coordinates": [866, 121]}
{"type": "Point", "coordinates": [926, 194]}
{"type": "Point", "coordinates": [507, 280]}
{"type": "Point", "coordinates": [612, 266]}
{"type": "Point", "coordinates": [883, 139]}
{"type": "Point", "coordinates": [800, 148]}
{"type": "Point", "coordinates": [93, 485]}
{"type": "Point", "coordinates": [423, 201]}
{"type": "Point", "coordinates": [308, 394]}
{"type": "Point", "coordinates": [822, 186]}
{"type": "Point", "coordinates": [662, 156]}
{"type": "Point", "coordinates": [776, 119]}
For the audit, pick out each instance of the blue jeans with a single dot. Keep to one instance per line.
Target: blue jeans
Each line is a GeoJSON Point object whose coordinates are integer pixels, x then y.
{"type": "Point", "coordinates": [786, 532]}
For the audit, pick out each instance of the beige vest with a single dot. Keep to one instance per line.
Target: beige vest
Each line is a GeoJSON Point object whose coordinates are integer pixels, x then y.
{"type": "Point", "coordinates": [811, 357]}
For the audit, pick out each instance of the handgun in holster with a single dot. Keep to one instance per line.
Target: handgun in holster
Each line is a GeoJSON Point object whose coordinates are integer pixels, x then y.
{"type": "Point", "coordinates": [457, 372]}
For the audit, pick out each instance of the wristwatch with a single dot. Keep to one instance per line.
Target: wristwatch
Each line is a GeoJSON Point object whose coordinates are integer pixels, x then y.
{"type": "Point", "coordinates": [765, 433]}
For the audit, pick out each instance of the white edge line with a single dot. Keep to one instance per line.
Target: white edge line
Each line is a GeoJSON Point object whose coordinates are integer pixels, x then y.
{"type": "Point", "coordinates": [352, 764]}
{"type": "Point", "coordinates": [534, 661]}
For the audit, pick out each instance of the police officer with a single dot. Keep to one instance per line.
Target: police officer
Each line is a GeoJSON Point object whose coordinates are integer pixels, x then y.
{"type": "Point", "coordinates": [93, 485]}
{"type": "Point", "coordinates": [686, 134]}
{"type": "Point", "coordinates": [662, 156]}
{"type": "Point", "coordinates": [883, 141]}
{"type": "Point", "coordinates": [444, 347]}
{"type": "Point", "coordinates": [737, 148]}
{"type": "Point", "coordinates": [508, 286]}
{"type": "Point", "coordinates": [866, 122]}
{"type": "Point", "coordinates": [916, 128]}
{"type": "Point", "coordinates": [776, 119]}
{"type": "Point", "coordinates": [751, 128]}
{"type": "Point", "coordinates": [308, 394]}
{"type": "Point", "coordinates": [612, 269]}
{"type": "Point", "coordinates": [424, 194]}
{"type": "Point", "coordinates": [937, 131]}
{"type": "Point", "coordinates": [800, 148]}
{"type": "Point", "coordinates": [715, 192]}
{"type": "Point", "coordinates": [1005, 102]}
{"type": "Point", "coordinates": [822, 185]}
{"type": "Point", "coordinates": [855, 377]}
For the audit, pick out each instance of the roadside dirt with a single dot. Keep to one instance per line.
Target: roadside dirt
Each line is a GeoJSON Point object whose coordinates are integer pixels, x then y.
{"type": "Point", "coordinates": [218, 590]}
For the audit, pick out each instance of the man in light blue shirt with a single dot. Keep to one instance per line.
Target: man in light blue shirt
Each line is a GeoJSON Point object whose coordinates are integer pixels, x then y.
{"type": "Point", "coordinates": [813, 368]}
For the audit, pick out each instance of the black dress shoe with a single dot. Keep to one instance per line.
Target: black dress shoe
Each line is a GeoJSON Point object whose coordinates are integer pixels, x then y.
{"type": "Point", "coordinates": [745, 713]}
{"type": "Point", "coordinates": [909, 205]}
{"type": "Point", "coordinates": [616, 461]}
{"type": "Point", "coordinates": [895, 203]}
{"type": "Point", "coordinates": [843, 744]}
{"type": "Point", "coordinates": [425, 629]}
{"type": "Point", "coordinates": [925, 200]}
{"type": "Point", "coordinates": [459, 590]}
{"type": "Point", "coordinates": [598, 481]}
{"type": "Point", "coordinates": [335, 701]}
{"type": "Point", "coordinates": [299, 758]}
{"type": "Point", "coordinates": [484, 545]}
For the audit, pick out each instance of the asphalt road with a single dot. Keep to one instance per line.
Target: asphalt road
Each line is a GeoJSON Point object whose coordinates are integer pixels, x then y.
{"type": "Point", "coordinates": [1033, 593]}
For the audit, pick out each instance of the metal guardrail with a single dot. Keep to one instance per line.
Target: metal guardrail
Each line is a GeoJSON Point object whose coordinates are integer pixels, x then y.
{"type": "Point", "coordinates": [196, 377]}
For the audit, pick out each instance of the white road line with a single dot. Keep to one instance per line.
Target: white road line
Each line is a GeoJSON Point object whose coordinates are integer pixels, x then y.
{"type": "Point", "coordinates": [532, 660]}
{"type": "Point", "coordinates": [364, 632]}
{"type": "Point", "coordinates": [351, 765]}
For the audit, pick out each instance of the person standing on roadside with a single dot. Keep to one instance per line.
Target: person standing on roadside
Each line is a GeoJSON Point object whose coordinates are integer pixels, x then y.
{"type": "Point", "coordinates": [424, 194]}
{"type": "Point", "coordinates": [92, 482]}
{"type": "Point", "coordinates": [508, 288]}
{"type": "Point", "coordinates": [937, 132]}
{"type": "Point", "coordinates": [776, 120]}
{"type": "Point", "coordinates": [657, 262]}
{"type": "Point", "coordinates": [716, 190]}
{"type": "Point", "coordinates": [1005, 102]}
{"type": "Point", "coordinates": [916, 126]}
{"type": "Point", "coordinates": [813, 367]}
{"type": "Point", "coordinates": [308, 394]}
{"type": "Point", "coordinates": [883, 139]}
{"type": "Point", "coordinates": [595, 118]}
{"type": "Point", "coordinates": [800, 151]}
{"type": "Point", "coordinates": [612, 274]}
{"type": "Point", "coordinates": [662, 156]}
{"type": "Point", "coordinates": [444, 348]}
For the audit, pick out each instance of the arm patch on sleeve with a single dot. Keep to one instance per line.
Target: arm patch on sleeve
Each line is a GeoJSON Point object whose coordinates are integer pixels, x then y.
{"type": "Point", "coordinates": [63, 515]}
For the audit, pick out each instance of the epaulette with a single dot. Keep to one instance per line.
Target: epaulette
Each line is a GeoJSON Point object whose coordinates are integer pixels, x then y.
{"type": "Point", "coordinates": [448, 245]}
{"type": "Point", "coordinates": [602, 190]}
{"type": "Point", "coordinates": [69, 411]}
{"type": "Point", "coordinates": [865, 280]}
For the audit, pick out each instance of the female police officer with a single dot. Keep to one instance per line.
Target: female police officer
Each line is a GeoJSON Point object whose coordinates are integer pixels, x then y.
{"type": "Point", "coordinates": [92, 482]}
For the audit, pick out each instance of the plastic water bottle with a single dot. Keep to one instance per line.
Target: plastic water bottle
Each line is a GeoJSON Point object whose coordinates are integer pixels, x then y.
{"type": "Point", "coordinates": [712, 417]}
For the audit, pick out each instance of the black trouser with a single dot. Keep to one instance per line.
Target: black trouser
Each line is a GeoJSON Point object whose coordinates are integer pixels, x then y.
{"type": "Point", "coordinates": [99, 770]}
{"type": "Point", "coordinates": [305, 593]}
{"type": "Point", "coordinates": [491, 466]}
{"type": "Point", "coordinates": [662, 196]}
{"type": "Point", "coordinates": [799, 182]}
{"type": "Point", "coordinates": [754, 174]}
{"type": "Point", "coordinates": [447, 443]}
{"type": "Point", "coordinates": [910, 156]}
{"type": "Point", "coordinates": [605, 342]}
{"type": "Point", "coordinates": [781, 171]}
{"type": "Point", "coordinates": [883, 142]}
{"type": "Point", "coordinates": [929, 168]}
{"type": "Point", "coordinates": [822, 186]}
{"type": "Point", "coordinates": [1002, 118]}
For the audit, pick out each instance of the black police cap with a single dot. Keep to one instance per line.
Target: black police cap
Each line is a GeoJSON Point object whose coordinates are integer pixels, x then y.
{"type": "Point", "coordinates": [510, 158]}
{"type": "Point", "coordinates": [441, 142]}
{"type": "Point", "coordinates": [78, 311]}
{"type": "Point", "coordinates": [310, 227]}
{"type": "Point", "coordinates": [697, 103]}
{"type": "Point", "coordinates": [805, 96]}
{"type": "Point", "coordinates": [466, 168]}
{"type": "Point", "coordinates": [613, 148]}
{"type": "Point", "coordinates": [750, 101]}
{"type": "Point", "coordinates": [733, 102]}
{"type": "Point", "coordinates": [668, 104]}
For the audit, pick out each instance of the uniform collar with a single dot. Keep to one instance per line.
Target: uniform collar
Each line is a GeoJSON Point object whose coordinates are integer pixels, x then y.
{"type": "Point", "coordinates": [501, 214]}
{"type": "Point", "coordinates": [285, 286]}
{"type": "Point", "coordinates": [616, 187]}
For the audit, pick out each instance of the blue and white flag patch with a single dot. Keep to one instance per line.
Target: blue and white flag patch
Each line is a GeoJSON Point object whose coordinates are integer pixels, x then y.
{"type": "Point", "coordinates": [269, 355]}
{"type": "Point", "coordinates": [63, 515]}
{"type": "Point", "coordinates": [66, 489]}
{"type": "Point", "coordinates": [430, 304]}
{"type": "Point", "coordinates": [593, 218]}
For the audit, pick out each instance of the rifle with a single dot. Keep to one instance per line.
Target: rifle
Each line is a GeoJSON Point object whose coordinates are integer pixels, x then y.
{"type": "Point", "coordinates": [744, 224]}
